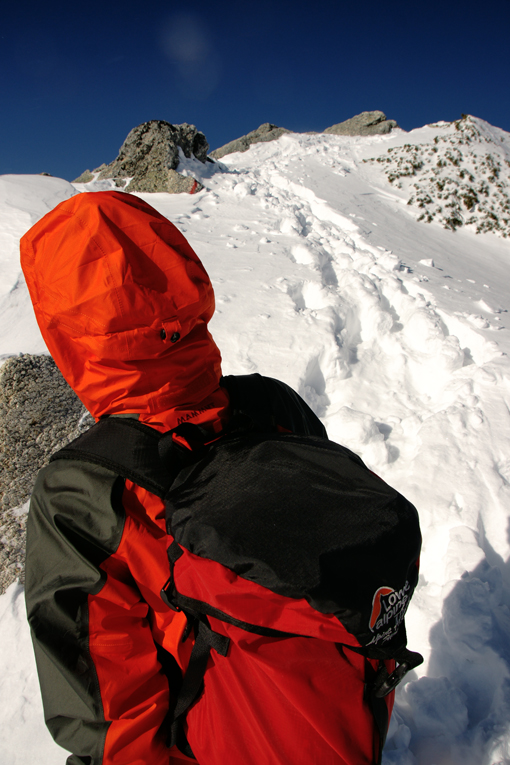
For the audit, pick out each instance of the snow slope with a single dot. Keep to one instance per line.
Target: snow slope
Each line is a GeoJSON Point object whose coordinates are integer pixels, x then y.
{"type": "Point", "coordinates": [396, 332]}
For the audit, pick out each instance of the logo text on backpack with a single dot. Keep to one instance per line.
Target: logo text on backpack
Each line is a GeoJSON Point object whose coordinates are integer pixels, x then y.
{"type": "Point", "coordinates": [388, 610]}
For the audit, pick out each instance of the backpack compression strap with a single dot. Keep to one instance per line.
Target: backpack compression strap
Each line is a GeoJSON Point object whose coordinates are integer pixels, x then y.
{"type": "Point", "coordinates": [193, 681]}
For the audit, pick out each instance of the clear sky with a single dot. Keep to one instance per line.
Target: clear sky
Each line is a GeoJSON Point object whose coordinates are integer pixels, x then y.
{"type": "Point", "coordinates": [75, 77]}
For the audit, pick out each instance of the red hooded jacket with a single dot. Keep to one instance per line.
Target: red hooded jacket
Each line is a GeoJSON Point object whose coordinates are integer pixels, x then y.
{"type": "Point", "coordinates": [123, 304]}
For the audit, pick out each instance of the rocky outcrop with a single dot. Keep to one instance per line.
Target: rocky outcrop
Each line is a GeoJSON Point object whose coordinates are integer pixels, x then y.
{"type": "Point", "coordinates": [265, 132]}
{"type": "Point", "coordinates": [85, 177]}
{"type": "Point", "coordinates": [366, 123]}
{"type": "Point", "coordinates": [39, 413]}
{"type": "Point", "coordinates": [171, 181]}
{"type": "Point", "coordinates": [149, 156]}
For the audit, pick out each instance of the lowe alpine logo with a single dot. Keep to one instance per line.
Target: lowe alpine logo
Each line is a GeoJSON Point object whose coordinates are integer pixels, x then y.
{"type": "Point", "coordinates": [388, 610]}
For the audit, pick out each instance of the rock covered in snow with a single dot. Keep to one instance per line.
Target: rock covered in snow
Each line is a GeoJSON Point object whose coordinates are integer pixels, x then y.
{"type": "Point", "coordinates": [149, 156]}
{"type": "Point", "coordinates": [459, 177]}
{"type": "Point", "coordinates": [266, 132]}
{"type": "Point", "coordinates": [39, 413]}
{"type": "Point", "coordinates": [366, 123]}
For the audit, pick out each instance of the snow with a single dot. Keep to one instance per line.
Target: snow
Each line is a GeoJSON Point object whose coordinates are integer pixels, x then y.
{"type": "Point", "coordinates": [23, 736]}
{"type": "Point", "coordinates": [396, 332]}
{"type": "Point", "coordinates": [23, 200]}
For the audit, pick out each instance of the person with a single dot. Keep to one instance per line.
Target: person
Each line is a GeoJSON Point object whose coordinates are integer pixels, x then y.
{"type": "Point", "coordinates": [123, 304]}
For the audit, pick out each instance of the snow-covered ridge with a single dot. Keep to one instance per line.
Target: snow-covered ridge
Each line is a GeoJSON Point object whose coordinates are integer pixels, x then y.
{"type": "Point", "coordinates": [459, 178]}
{"type": "Point", "coordinates": [397, 334]}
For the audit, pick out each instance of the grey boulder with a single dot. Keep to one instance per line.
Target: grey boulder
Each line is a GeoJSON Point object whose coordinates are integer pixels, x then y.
{"type": "Point", "coordinates": [149, 156]}
{"type": "Point", "coordinates": [266, 132]}
{"type": "Point", "coordinates": [39, 413]}
{"type": "Point", "coordinates": [366, 123]}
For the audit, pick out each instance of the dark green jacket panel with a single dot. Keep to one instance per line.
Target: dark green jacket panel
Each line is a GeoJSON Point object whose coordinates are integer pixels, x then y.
{"type": "Point", "coordinates": [75, 522]}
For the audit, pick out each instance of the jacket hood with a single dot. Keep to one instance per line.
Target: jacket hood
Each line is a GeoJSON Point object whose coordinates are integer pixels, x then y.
{"type": "Point", "coordinates": [122, 302]}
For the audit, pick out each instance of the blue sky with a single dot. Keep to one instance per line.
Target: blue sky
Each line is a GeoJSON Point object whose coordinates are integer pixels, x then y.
{"type": "Point", "coordinates": [76, 77]}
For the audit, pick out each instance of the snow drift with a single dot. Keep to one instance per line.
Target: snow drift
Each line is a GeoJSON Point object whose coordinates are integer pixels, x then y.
{"type": "Point", "coordinates": [396, 333]}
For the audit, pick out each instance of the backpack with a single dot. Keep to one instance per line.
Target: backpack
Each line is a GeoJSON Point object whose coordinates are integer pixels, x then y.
{"type": "Point", "coordinates": [294, 565]}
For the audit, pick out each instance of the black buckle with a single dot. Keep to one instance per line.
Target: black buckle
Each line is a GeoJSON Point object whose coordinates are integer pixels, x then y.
{"type": "Point", "coordinates": [390, 683]}
{"type": "Point", "coordinates": [385, 683]}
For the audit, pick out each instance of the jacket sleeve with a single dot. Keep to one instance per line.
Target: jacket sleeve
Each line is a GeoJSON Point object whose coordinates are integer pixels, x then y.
{"type": "Point", "coordinates": [83, 603]}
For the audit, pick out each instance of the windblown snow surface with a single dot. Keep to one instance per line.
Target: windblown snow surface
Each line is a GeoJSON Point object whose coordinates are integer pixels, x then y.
{"type": "Point", "coordinates": [397, 334]}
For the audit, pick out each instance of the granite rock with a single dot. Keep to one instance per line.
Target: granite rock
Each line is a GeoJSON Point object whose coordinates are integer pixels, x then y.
{"type": "Point", "coordinates": [266, 132]}
{"type": "Point", "coordinates": [85, 177]}
{"type": "Point", "coordinates": [149, 156]}
{"type": "Point", "coordinates": [366, 123]}
{"type": "Point", "coordinates": [39, 413]}
{"type": "Point", "coordinates": [170, 181]}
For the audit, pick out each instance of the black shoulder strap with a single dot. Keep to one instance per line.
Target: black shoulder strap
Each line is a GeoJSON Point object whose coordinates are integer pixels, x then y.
{"type": "Point", "coordinates": [139, 453]}
{"type": "Point", "coordinates": [126, 447]}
